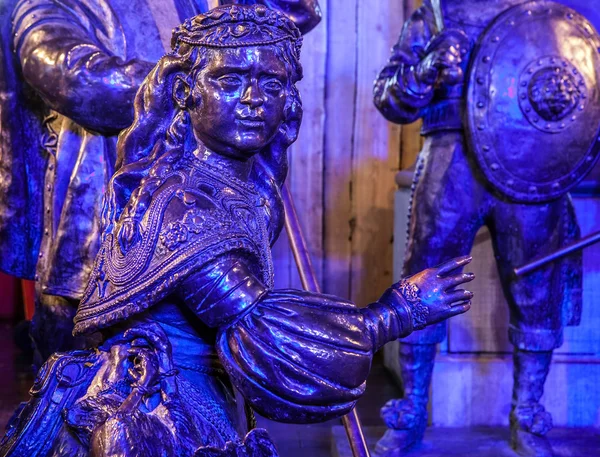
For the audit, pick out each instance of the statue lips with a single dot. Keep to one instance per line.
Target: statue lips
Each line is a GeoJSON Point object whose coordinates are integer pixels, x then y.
{"type": "Point", "coordinates": [252, 122]}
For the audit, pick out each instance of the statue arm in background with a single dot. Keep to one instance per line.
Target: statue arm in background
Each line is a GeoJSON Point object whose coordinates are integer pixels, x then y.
{"type": "Point", "coordinates": [306, 14]}
{"type": "Point", "coordinates": [422, 60]}
{"type": "Point", "coordinates": [303, 357]}
{"type": "Point", "coordinates": [74, 58]}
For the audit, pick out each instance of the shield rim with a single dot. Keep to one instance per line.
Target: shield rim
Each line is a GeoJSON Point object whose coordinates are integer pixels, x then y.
{"type": "Point", "coordinates": [478, 84]}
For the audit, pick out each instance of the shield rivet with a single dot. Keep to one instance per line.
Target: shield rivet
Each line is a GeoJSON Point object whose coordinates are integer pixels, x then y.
{"type": "Point", "coordinates": [510, 182]}
{"type": "Point", "coordinates": [486, 59]}
{"type": "Point", "coordinates": [528, 12]}
{"type": "Point", "coordinates": [496, 39]}
{"type": "Point", "coordinates": [532, 189]}
{"type": "Point", "coordinates": [562, 125]}
{"type": "Point", "coordinates": [528, 110]}
{"type": "Point", "coordinates": [480, 80]}
{"type": "Point", "coordinates": [573, 118]}
{"type": "Point", "coordinates": [524, 83]}
{"type": "Point", "coordinates": [481, 127]}
{"type": "Point", "coordinates": [589, 158]}
{"type": "Point", "coordinates": [511, 23]}
{"type": "Point", "coordinates": [569, 15]}
{"type": "Point", "coordinates": [580, 107]}
{"type": "Point", "coordinates": [487, 148]}
{"type": "Point", "coordinates": [535, 119]}
{"type": "Point", "coordinates": [494, 166]}
{"type": "Point", "coordinates": [480, 105]}
{"type": "Point", "coordinates": [556, 185]}
{"type": "Point", "coordinates": [548, 126]}
{"type": "Point", "coordinates": [523, 96]}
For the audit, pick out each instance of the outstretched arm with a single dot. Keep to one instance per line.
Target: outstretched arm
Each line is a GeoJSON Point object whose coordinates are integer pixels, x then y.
{"type": "Point", "coordinates": [70, 56]}
{"type": "Point", "coordinates": [304, 357]}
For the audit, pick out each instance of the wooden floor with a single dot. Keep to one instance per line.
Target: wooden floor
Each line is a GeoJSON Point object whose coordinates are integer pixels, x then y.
{"type": "Point", "coordinates": [291, 440]}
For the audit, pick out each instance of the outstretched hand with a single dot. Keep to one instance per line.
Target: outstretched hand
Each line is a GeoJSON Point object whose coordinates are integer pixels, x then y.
{"type": "Point", "coordinates": [436, 290]}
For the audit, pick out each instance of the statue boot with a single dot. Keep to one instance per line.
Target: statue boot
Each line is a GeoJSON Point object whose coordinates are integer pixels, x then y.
{"type": "Point", "coordinates": [529, 421]}
{"type": "Point", "coordinates": [406, 418]}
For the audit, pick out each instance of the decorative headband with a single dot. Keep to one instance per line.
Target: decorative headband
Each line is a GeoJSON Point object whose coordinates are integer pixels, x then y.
{"type": "Point", "coordinates": [238, 25]}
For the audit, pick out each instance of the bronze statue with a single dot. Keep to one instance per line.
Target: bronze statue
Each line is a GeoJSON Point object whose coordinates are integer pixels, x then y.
{"type": "Point", "coordinates": [181, 293]}
{"type": "Point", "coordinates": [79, 64]}
{"type": "Point", "coordinates": [504, 143]}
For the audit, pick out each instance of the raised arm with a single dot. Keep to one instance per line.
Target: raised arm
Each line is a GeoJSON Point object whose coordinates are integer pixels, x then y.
{"type": "Point", "coordinates": [304, 357]}
{"type": "Point", "coordinates": [306, 14]}
{"type": "Point", "coordinates": [73, 58]}
{"type": "Point", "coordinates": [399, 93]}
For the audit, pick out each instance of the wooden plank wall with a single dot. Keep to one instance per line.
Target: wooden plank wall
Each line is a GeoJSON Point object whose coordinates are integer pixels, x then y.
{"type": "Point", "coordinates": [343, 165]}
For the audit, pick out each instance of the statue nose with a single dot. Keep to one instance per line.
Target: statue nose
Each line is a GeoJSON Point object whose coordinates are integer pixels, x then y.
{"type": "Point", "coordinates": [252, 96]}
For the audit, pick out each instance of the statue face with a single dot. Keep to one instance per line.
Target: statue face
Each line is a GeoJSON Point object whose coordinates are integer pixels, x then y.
{"type": "Point", "coordinates": [239, 99]}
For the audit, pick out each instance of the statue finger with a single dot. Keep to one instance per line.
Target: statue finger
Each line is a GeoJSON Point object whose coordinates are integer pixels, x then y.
{"type": "Point", "coordinates": [453, 264]}
{"type": "Point", "coordinates": [453, 52]}
{"type": "Point", "coordinates": [455, 280]}
{"type": "Point", "coordinates": [151, 333]}
{"type": "Point", "coordinates": [452, 75]}
{"type": "Point", "coordinates": [135, 332]}
{"type": "Point", "coordinates": [134, 374]}
{"type": "Point", "coordinates": [140, 343]}
{"type": "Point", "coordinates": [458, 296]}
{"type": "Point", "coordinates": [459, 309]}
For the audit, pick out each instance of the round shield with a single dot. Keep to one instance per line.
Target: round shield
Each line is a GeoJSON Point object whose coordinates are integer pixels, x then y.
{"type": "Point", "coordinates": [534, 101]}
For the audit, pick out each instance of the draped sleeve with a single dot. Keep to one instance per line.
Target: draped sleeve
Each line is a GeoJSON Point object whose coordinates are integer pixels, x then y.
{"type": "Point", "coordinates": [295, 356]}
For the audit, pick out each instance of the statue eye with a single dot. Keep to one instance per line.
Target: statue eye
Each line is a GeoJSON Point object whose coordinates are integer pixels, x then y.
{"type": "Point", "coordinates": [230, 80]}
{"type": "Point", "coordinates": [273, 85]}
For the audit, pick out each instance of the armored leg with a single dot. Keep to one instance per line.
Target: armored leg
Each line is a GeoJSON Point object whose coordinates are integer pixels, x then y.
{"type": "Point", "coordinates": [541, 303]}
{"type": "Point", "coordinates": [529, 421]}
{"type": "Point", "coordinates": [406, 418]}
{"type": "Point", "coordinates": [443, 224]}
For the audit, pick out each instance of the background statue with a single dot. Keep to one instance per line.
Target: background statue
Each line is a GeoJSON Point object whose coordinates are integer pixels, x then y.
{"type": "Point", "coordinates": [502, 148]}
{"type": "Point", "coordinates": [82, 61]}
{"type": "Point", "coordinates": [181, 291]}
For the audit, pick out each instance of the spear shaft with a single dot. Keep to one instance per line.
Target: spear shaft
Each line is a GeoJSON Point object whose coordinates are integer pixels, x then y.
{"type": "Point", "coordinates": [309, 282]}
{"type": "Point", "coordinates": [569, 249]}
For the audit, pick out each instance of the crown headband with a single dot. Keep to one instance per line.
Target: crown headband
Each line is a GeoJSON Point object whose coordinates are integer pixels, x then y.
{"type": "Point", "coordinates": [238, 25]}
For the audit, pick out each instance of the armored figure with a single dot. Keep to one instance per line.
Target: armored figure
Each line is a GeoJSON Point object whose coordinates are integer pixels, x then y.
{"type": "Point", "coordinates": [503, 145]}
{"type": "Point", "coordinates": [78, 66]}
{"type": "Point", "coordinates": [181, 293]}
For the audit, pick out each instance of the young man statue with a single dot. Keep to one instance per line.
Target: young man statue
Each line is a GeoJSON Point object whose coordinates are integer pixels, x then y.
{"type": "Point", "coordinates": [182, 288]}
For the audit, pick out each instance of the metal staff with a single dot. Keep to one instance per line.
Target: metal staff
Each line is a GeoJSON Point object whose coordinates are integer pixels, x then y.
{"type": "Point", "coordinates": [569, 249]}
{"type": "Point", "coordinates": [309, 282]}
